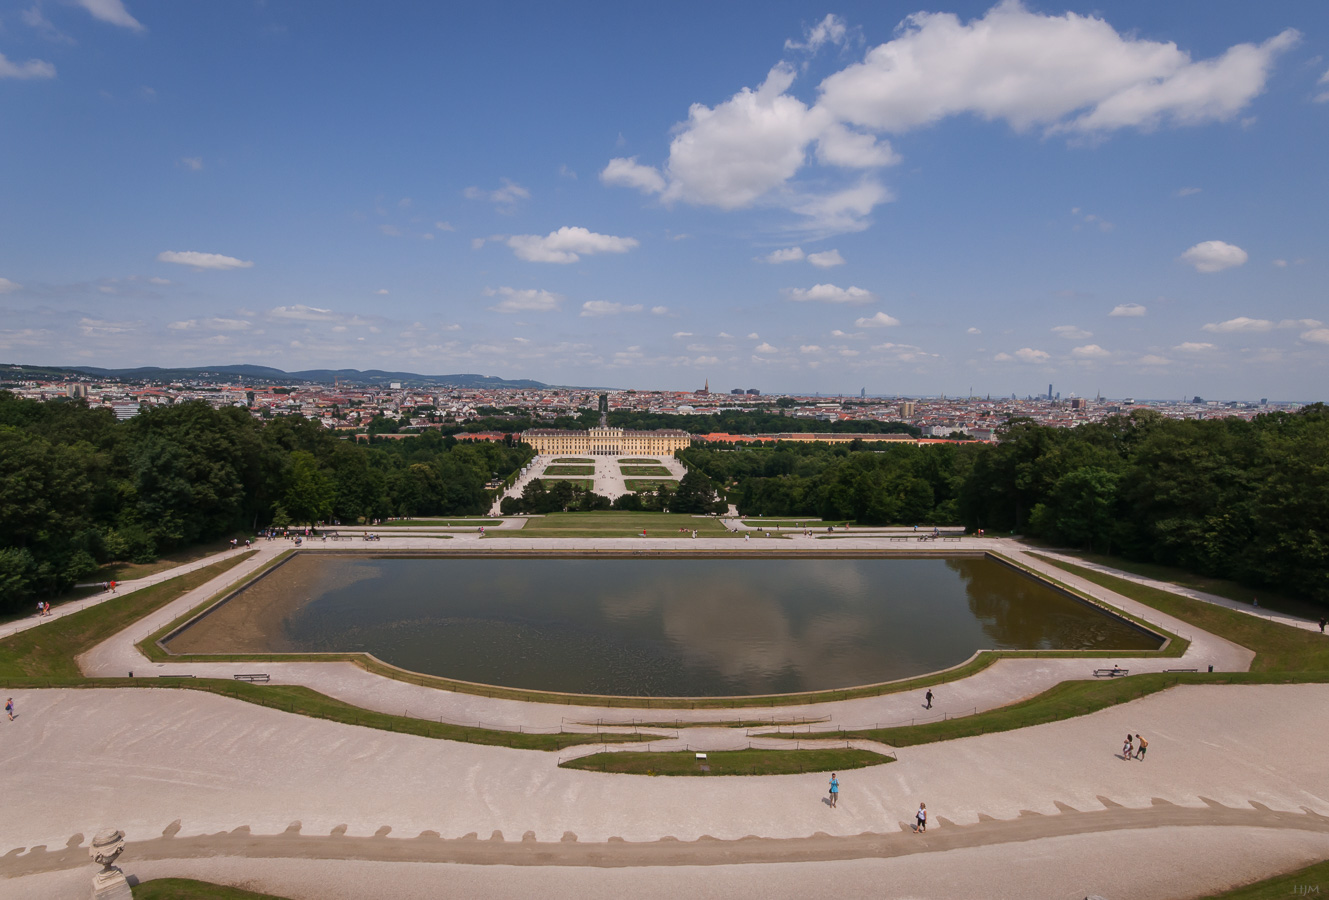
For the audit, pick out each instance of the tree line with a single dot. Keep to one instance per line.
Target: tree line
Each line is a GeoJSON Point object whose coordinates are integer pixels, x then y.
{"type": "Point", "coordinates": [1247, 501]}
{"type": "Point", "coordinates": [78, 488]}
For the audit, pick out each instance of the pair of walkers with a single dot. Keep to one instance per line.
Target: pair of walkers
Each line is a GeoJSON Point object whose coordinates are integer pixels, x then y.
{"type": "Point", "coordinates": [1128, 748]}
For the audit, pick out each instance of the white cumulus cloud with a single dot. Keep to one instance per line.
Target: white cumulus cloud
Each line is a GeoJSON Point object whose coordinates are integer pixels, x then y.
{"type": "Point", "coordinates": [788, 254]}
{"type": "Point", "coordinates": [198, 260]}
{"type": "Point", "coordinates": [809, 348]}
{"type": "Point", "coordinates": [505, 198]}
{"type": "Point", "coordinates": [302, 313]}
{"type": "Point", "coordinates": [1065, 73]}
{"type": "Point", "coordinates": [1030, 355]}
{"type": "Point", "coordinates": [1194, 347]}
{"type": "Point", "coordinates": [515, 300]}
{"type": "Point", "coordinates": [33, 68]}
{"type": "Point", "coordinates": [627, 172]}
{"type": "Point", "coordinates": [1316, 335]}
{"type": "Point", "coordinates": [877, 320]}
{"type": "Point", "coordinates": [826, 259]}
{"type": "Point", "coordinates": [1239, 324]}
{"type": "Point", "coordinates": [1128, 310]}
{"type": "Point", "coordinates": [7, 286]}
{"type": "Point", "coordinates": [973, 331]}
{"type": "Point", "coordinates": [594, 308]}
{"type": "Point", "coordinates": [1071, 332]}
{"type": "Point", "coordinates": [829, 293]}
{"type": "Point", "coordinates": [1214, 256]}
{"type": "Point", "coordinates": [567, 245]}
{"type": "Point", "coordinates": [1090, 351]}
{"type": "Point", "coordinates": [766, 348]}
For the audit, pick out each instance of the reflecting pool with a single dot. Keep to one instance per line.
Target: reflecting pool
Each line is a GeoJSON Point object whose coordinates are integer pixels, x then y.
{"type": "Point", "coordinates": [656, 627]}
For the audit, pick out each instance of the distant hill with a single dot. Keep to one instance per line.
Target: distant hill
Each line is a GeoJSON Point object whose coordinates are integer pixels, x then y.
{"type": "Point", "coordinates": [372, 377]}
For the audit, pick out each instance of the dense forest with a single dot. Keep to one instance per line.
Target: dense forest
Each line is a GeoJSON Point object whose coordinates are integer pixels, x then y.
{"type": "Point", "coordinates": [1224, 497]}
{"type": "Point", "coordinates": [78, 488]}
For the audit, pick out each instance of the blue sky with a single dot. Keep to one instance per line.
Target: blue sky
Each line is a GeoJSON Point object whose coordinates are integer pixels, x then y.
{"type": "Point", "coordinates": [914, 199]}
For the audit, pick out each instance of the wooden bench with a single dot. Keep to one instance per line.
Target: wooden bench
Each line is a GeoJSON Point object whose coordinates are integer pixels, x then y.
{"type": "Point", "coordinates": [252, 678]}
{"type": "Point", "coordinates": [1110, 673]}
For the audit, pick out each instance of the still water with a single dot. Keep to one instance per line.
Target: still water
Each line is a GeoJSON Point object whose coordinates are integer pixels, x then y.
{"type": "Point", "coordinates": [677, 627]}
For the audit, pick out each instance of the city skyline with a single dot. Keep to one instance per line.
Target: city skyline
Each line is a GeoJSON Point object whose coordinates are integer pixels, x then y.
{"type": "Point", "coordinates": [793, 197]}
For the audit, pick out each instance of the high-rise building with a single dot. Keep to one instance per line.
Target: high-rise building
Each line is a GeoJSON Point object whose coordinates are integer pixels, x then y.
{"type": "Point", "coordinates": [907, 409]}
{"type": "Point", "coordinates": [1049, 391]}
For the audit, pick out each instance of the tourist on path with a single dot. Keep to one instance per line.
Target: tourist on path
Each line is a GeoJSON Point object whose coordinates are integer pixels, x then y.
{"type": "Point", "coordinates": [921, 819]}
{"type": "Point", "coordinates": [835, 787]}
{"type": "Point", "coordinates": [928, 696]}
{"type": "Point", "coordinates": [1323, 622]}
{"type": "Point", "coordinates": [1126, 748]}
{"type": "Point", "coordinates": [1144, 745]}
{"type": "Point", "coordinates": [9, 708]}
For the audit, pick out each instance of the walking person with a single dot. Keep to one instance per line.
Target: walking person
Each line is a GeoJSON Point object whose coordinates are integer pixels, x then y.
{"type": "Point", "coordinates": [1144, 745]}
{"type": "Point", "coordinates": [1127, 749]}
{"type": "Point", "coordinates": [9, 708]}
{"type": "Point", "coordinates": [835, 788]}
{"type": "Point", "coordinates": [921, 819]}
{"type": "Point", "coordinates": [928, 696]}
{"type": "Point", "coordinates": [1323, 622]}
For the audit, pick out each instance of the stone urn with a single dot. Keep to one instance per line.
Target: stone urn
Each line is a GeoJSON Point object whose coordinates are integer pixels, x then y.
{"type": "Point", "coordinates": [109, 883]}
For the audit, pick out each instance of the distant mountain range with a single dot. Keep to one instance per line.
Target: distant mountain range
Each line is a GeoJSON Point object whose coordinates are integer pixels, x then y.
{"type": "Point", "coordinates": [371, 377]}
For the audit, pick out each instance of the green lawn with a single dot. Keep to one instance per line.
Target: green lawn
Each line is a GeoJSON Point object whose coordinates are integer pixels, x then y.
{"type": "Point", "coordinates": [1312, 881]}
{"type": "Point", "coordinates": [1278, 648]}
{"type": "Point", "coordinates": [127, 571]}
{"type": "Point", "coordinates": [568, 470]}
{"type": "Point", "coordinates": [437, 522]}
{"type": "Point", "coordinates": [585, 483]}
{"type": "Point", "coordinates": [644, 471]}
{"type": "Point", "coordinates": [794, 523]}
{"type": "Point", "coordinates": [189, 889]}
{"type": "Point", "coordinates": [730, 762]}
{"type": "Point", "coordinates": [577, 460]}
{"type": "Point", "coordinates": [1223, 588]}
{"type": "Point", "coordinates": [648, 484]}
{"type": "Point", "coordinates": [614, 524]}
{"type": "Point", "coordinates": [50, 648]}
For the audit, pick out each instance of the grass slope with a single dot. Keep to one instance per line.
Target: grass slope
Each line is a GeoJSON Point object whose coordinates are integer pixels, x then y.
{"type": "Point", "coordinates": [615, 524]}
{"type": "Point", "coordinates": [189, 889]}
{"type": "Point", "coordinates": [1312, 881]}
{"type": "Point", "coordinates": [50, 648]}
{"type": "Point", "coordinates": [1278, 648]}
{"type": "Point", "coordinates": [730, 762]}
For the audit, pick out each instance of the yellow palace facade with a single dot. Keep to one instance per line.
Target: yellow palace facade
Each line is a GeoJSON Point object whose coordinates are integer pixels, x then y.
{"type": "Point", "coordinates": [605, 441]}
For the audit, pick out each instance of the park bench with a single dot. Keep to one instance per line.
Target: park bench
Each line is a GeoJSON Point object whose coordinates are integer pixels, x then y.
{"type": "Point", "coordinates": [955, 539]}
{"type": "Point", "coordinates": [252, 678]}
{"type": "Point", "coordinates": [1111, 673]}
{"type": "Point", "coordinates": [899, 539]}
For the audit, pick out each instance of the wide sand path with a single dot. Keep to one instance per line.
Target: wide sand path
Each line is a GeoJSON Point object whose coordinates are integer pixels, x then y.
{"type": "Point", "coordinates": [220, 777]}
